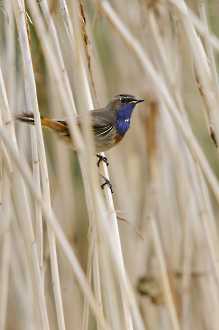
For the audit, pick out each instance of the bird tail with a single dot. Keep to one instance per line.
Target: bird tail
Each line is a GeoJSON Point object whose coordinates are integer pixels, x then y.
{"type": "Point", "coordinates": [28, 117]}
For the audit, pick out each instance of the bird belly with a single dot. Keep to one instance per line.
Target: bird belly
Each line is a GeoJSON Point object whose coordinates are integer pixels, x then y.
{"type": "Point", "coordinates": [102, 143]}
{"type": "Point", "coordinates": [105, 142]}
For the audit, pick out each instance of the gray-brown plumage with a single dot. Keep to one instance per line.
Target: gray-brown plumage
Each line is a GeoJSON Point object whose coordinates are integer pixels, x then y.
{"type": "Point", "coordinates": [109, 124]}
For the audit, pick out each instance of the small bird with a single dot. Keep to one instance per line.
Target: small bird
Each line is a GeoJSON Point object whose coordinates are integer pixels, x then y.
{"type": "Point", "coordinates": [109, 124]}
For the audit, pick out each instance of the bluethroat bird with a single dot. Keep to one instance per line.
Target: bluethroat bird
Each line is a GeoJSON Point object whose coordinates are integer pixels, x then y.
{"type": "Point", "coordinates": [109, 124]}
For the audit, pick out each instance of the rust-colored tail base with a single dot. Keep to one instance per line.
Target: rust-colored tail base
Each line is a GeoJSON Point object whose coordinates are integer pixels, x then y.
{"type": "Point", "coordinates": [58, 126]}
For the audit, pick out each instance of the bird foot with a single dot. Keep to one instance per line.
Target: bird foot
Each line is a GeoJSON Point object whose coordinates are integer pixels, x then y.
{"type": "Point", "coordinates": [102, 159]}
{"type": "Point", "coordinates": [106, 183]}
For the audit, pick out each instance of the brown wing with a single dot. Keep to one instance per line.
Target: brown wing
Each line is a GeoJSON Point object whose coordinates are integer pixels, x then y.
{"type": "Point", "coordinates": [102, 122]}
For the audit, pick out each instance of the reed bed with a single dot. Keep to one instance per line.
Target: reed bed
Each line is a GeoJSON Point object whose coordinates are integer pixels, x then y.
{"type": "Point", "coordinates": [74, 256]}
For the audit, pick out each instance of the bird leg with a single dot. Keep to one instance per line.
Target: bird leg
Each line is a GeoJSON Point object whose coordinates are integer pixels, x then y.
{"type": "Point", "coordinates": [106, 183]}
{"type": "Point", "coordinates": [102, 159]}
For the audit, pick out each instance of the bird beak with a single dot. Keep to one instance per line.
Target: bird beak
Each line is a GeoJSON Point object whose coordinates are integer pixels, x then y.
{"type": "Point", "coordinates": [139, 101]}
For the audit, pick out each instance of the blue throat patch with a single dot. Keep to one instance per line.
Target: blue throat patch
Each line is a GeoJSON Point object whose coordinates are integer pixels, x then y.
{"type": "Point", "coordinates": [123, 118]}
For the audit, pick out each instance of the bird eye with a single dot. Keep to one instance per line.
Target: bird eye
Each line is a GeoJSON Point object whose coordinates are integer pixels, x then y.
{"type": "Point", "coordinates": [125, 100]}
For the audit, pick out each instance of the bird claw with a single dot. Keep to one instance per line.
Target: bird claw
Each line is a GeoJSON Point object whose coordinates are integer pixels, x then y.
{"type": "Point", "coordinates": [107, 183]}
{"type": "Point", "coordinates": [102, 159]}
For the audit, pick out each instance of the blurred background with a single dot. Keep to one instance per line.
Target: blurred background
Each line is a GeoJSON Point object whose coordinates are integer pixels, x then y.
{"type": "Point", "coordinates": [165, 203]}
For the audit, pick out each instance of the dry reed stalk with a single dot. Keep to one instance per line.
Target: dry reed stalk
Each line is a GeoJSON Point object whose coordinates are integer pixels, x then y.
{"type": "Point", "coordinates": [163, 94]}
{"type": "Point", "coordinates": [37, 139]}
{"type": "Point", "coordinates": [153, 209]}
{"type": "Point", "coordinates": [84, 84]}
{"type": "Point", "coordinates": [52, 221]}
{"type": "Point", "coordinates": [108, 195]}
{"type": "Point", "coordinates": [19, 197]}
{"type": "Point", "coordinates": [204, 75]}
{"type": "Point", "coordinates": [210, 238]}
{"type": "Point", "coordinates": [132, 43]}
{"type": "Point", "coordinates": [175, 188]}
{"type": "Point", "coordinates": [49, 19]}
{"type": "Point", "coordinates": [198, 24]}
{"type": "Point", "coordinates": [189, 214]}
{"type": "Point", "coordinates": [5, 192]}
{"type": "Point", "coordinates": [5, 272]}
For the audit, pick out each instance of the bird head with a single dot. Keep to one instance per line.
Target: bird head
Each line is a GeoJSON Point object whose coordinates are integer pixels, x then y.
{"type": "Point", "coordinates": [121, 101]}
{"type": "Point", "coordinates": [124, 104]}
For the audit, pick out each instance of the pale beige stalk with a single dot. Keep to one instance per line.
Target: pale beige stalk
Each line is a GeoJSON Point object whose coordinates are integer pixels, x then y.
{"type": "Point", "coordinates": [32, 104]}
